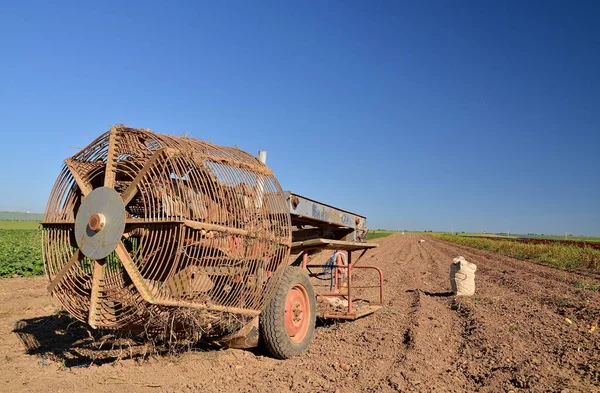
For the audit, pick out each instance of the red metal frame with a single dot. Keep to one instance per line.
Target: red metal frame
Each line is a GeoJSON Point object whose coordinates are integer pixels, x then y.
{"type": "Point", "coordinates": [337, 273]}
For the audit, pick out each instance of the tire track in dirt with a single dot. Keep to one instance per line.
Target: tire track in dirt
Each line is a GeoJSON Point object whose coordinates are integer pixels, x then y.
{"type": "Point", "coordinates": [512, 335]}
{"type": "Point", "coordinates": [549, 287]}
{"type": "Point", "coordinates": [380, 339]}
{"type": "Point", "coordinates": [404, 283]}
{"type": "Point", "coordinates": [484, 362]}
{"type": "Point", "coordinates": [403, 305]}
{"type": "Point", "coordinates": [428, 326]}
{"type": "Point", "coordinates": [512, 338]}
{"type": "Point", "coordinates": [435, 336]}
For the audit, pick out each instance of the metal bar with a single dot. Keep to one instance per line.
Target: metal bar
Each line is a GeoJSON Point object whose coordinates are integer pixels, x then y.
{"type": "Point", "coordinates": [143, 289]}
{"type": "Point", "coordinates": [252, 167]}
{"type": "Point", "coordinates": [337, 278]}
{"type": "Point", "coordinates": [319, 243]}
{"type": "Point", "coordinates": [260, 180]}
{"type": "Point", "coordinates": [57, 223]}
{"type": "Point", "coordinates": [83, 186]}
{"type": "Point", "coordinates": [215, 227]}
{"type": "Point", "coordinates": [379, 272]}
{"type": "Point", "coordinates": [331, 294]}
{"type": "Point", "coordinates": [146, 221]}
{"type": "Point", "coordinates": [131, 190]}
{"type": "Point", "coordinates": [304, 259]}
{"type": "Point", "coordinates": [97, 285]}
{"type": "Point", "coordinates": [196, 306]}
{"type": "Point", "coordinates": [354, 315]}
{"type": "Point", "coordinates": [109, 171]}
{"type": "Point", "coordinates": [360, 256]}
{"type": "Point", "coordinates": [133, 273]}
{"type": "Point", "coordinates": [76, 258]}
{"type": "Point", "coordinates": [306, 211]}
{"type": "Point", "coordinates": [355, 287]}
{"type": "Point", "coordinates": [232, 231]}
{"type": "Point", "coordinates": [289, 195]}
{"type": "Point", "coordinates": [339, 315]}
{"type": "Point", "coordinates": [349, 282]}
{"type": "Point", "coordinates": [206, 226]}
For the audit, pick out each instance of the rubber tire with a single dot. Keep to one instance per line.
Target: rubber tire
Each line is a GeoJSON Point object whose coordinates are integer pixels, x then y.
{"type": "Point", "coordinates": [272, 319]}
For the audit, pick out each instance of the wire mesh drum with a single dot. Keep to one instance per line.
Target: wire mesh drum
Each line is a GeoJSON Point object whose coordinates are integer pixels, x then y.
{"type": "Point", "coordinates": [142, 228]}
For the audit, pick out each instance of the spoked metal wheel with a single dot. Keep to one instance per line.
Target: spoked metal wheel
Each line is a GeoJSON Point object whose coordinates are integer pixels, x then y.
{"type": "Point", "coordinates": [288, 323]}
{"type": "Point", "coordinates": [138, 222]}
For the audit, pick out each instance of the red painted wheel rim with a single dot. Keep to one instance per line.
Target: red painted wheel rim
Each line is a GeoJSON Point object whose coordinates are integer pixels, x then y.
{"type": "Point", "coordinates": [297, 313]}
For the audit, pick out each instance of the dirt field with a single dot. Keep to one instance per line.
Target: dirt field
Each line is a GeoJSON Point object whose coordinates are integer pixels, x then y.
{"type": "Point", "coordinates": [526, 329]}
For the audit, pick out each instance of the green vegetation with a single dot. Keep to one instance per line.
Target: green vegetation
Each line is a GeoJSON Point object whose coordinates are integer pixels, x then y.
{"type": "Point", "coordinates": [20, 252]}
{"type": "Point", "coordinates": [532, 236]}
{"type": "Point", "coordinates": [561, 237]}
{"type": "Point", "coordinates": [494, 235]}
{"type": "Point", "coordinates": [20, 244]}
{"type": "Point", "coordinates": [556, 255]}
{"type": "Point", "coordinates": [375, 234]}
{"type": "Point", "coordinates": [19, 224]}
{"type": "Point", "coordinates": [586, 285]}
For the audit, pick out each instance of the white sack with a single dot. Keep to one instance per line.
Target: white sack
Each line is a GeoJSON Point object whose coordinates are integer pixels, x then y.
{"type": "Point", "coordinates": [462, 277]}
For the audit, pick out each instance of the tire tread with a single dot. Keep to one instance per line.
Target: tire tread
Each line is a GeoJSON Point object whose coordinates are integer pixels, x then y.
{"type": "Point", "coordinates": [272, 322]}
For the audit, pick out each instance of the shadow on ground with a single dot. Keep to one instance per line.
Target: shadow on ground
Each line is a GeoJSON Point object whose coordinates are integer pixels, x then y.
{"type": "Point", "coordinates": [438, 294]}
{"type": "Point", "coordinates": [62, 339]}
{"type": "Point", "coordinates": [71, 343]}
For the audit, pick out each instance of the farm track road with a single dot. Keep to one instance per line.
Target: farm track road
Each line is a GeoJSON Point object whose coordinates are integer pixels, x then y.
{"type": "Point", "coordinates": [526, 329]}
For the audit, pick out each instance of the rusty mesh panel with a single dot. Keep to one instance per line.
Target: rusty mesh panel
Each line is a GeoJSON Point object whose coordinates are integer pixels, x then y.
{"type": "Point", "coordinates": [207, 228]}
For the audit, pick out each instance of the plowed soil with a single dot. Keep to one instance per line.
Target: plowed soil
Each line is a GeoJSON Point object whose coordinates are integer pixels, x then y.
{"type": "Point", "coordinates": [526, 329]}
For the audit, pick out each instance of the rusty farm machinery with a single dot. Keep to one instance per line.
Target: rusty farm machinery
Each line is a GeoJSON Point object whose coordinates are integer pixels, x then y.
{"type": "Point", "coordinates": [149, 232]}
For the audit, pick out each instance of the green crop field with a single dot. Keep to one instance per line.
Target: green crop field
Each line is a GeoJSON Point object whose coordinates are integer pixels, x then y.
{"type": "Point", "coordinates": [20, 252]}
{"type": "Point", "coordinates": [378, 233]}
{"type": "Point", "coordinates": [555, 255]}
{"type": "Point", "coordinates": [19, 225]}
{"type": "Point", "coordinates": [532, 236]}
{"type": "Point", "coordinates": [375, 234]}
{"type": "Point", "coordinates": [20, 244]}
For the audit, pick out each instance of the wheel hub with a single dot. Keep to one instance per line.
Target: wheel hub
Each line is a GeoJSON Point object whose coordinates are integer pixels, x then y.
{"type": "Point", "coordinates": [97, 222]}
{"type": "Point", "coordinates": [297, 313]}
{"type": "Point", "coordinates": [100, 223]}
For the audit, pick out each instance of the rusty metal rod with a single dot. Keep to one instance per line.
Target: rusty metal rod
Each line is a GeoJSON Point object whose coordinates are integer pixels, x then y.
{"type": "Point", "coordinates": [83, 186]}
{"type": "Point", "coordinates": [131, 190]}
{"type": "Point", "coordinates": [77, 257]}
{"type": "Point", "coordinates": [147, 295]}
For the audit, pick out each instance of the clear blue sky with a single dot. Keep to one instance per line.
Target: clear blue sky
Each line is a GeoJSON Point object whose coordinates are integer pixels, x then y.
{"type": "Point", "coordinates": [477, 116]}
